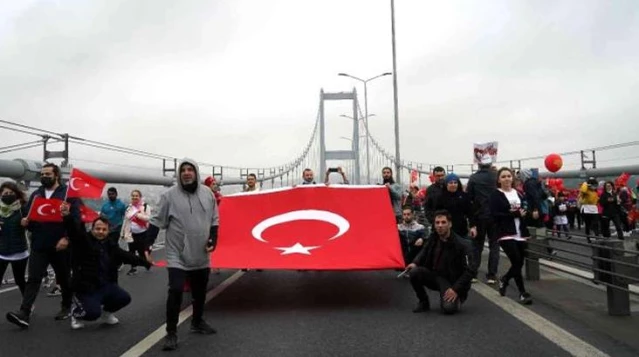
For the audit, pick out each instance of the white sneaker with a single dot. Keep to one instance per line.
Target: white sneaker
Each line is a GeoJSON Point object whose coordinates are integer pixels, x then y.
{"type": "Point", "coordinates": [76, 324]}
{"type": "Point", "coordinates": [108, 318]}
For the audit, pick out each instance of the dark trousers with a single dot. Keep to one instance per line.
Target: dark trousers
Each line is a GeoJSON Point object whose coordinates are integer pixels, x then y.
{"type": "Point", "coordinates": [409, 251]}
{"type": "Point", "coordinates": [605, 226]}
{"type": "Point", "coordinates": [591, 221]}
{"type": "Point", "coordinates": [139, 245]}
{"type": "Point", "coordinates": [38, 263]}
{"type": "Point", "coordinates": [625, 223]}
{"type": "Point", "coordinates": [421, 276]}
{"type": "Point", "coordinates": [571, 215]}
{"type": "Point", "coordinates": [199, 280]}
{"type": "Point", "coordinates": [18, 267]}
{"type": "Point", "coordinates": [516, 252]}
{"type": "Point", "coordinates": [563, 228]}
{"type": "Point", "coordinates": [486, 227]}
{"type": "Point", "coordinates": [110, 297]}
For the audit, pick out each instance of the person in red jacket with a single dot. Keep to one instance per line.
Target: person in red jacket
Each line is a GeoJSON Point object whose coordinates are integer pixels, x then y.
{"type": "Point", "coordinates": [212, 184]}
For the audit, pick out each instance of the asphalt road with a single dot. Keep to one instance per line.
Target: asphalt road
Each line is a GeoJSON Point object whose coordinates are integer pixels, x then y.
{"type": "Point", "coordinates": [287, 313]}
{"type": "Point", "coordinates": [290, 313]}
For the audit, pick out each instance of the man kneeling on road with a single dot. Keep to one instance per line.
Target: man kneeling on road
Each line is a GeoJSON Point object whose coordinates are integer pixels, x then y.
{"type": "Point", "coordinates": [95, 262]}
{"type": "Point", "coordinates": [444, 264]}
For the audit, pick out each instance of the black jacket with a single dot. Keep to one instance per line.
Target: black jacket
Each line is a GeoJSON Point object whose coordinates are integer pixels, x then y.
{"type": "Point", "coordinates": [609, 205]}
{"type": "Point", "coordinates": [505, 219]}
{"type": "Point", "coordinates": [12, 235]}
{"type": "Point", "coordinates": [534, 195]}
{"type": "Point", "coordinates": [459, 206]}
{"type": "Point", "coordinates": [85, 258]}
{"type": "Point", "coordinates": [480, 186]}
{"type": "Point", "coordinates": [433, 192]}
{"type": "Point", "coordinates": [457, 258]}
{"type": "Point", "coordinates": [45, 235]}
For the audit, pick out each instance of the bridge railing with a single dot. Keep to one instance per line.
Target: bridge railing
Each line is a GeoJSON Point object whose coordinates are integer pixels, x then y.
{"type": "Point", "coordinates": [602, 261]}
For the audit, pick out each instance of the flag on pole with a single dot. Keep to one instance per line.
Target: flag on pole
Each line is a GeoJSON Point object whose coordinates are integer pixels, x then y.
{"type": "Point", "coordinates": [83, 185]}
{"type": "Point", "coordinates": [45, 210]}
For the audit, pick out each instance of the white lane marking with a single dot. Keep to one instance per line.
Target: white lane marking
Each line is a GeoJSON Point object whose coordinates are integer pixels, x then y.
{"type": "Point", "coordinates": [156, 336]}
{"type": "Point", "coordinates": [562, 338]}
{"type": "Point", "coordinates": [8, 289]}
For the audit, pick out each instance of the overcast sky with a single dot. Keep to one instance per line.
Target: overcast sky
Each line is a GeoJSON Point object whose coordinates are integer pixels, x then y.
{"type": "Point", "coordinates": [237, 82]}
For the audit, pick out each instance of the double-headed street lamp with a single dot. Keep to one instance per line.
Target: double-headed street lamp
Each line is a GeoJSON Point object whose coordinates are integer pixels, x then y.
{"type": "Point", "coordinates": [366, 116]}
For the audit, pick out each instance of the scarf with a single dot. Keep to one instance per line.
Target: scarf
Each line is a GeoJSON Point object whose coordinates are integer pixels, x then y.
{"type": "Point", "coordinates": [8, 210]}
{"type": "Point", "coordinates": [140, 208]}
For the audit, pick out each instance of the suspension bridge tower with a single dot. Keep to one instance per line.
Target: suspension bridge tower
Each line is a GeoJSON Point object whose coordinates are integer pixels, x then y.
{"type": "Point", "coordinates": [342, 155]}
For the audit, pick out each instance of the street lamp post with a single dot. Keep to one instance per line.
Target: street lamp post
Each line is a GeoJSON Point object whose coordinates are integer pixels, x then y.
{"type": "Point", "coordinates": [397, 157]}
{"type": "Point", "coordinates": [365, 81]}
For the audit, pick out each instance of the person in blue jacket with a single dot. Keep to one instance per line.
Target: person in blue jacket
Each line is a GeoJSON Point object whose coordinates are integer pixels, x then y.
{"type": "Point", "coordinates": [113, 210]}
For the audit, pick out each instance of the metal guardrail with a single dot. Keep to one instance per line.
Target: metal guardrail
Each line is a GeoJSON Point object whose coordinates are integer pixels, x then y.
{"type": "Point", "coordinates": [611, 265]}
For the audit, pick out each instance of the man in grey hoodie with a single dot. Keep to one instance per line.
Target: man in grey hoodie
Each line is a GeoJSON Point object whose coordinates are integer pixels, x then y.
{"type": "Point", "coordinates": [189, 214]}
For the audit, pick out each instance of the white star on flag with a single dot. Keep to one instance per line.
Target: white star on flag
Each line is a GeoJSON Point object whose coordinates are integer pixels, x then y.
{"type": "Point", "coordinates": [296, 249]}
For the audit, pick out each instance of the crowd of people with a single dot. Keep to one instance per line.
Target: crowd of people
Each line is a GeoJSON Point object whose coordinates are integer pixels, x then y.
{"type": "Point", "coordinates": [442, 232]}
{"type": "Point", "coordinates": [86, 260]}
{"type": "Point", "coordinates": [499, 205]}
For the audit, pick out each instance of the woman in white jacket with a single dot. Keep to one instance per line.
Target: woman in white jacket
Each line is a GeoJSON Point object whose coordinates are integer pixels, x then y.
{"type": "Point", "coordinates": [134, 228]}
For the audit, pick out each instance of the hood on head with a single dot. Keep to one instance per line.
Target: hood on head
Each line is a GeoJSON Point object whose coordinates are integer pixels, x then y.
{"type": "Point", "coordinates": [525, 174]}
{"type": "Point", "coordinates": [192, 163]}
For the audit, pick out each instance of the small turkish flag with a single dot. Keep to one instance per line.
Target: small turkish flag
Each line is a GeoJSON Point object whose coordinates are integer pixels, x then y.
{"type": "Point", "coordinates": [45, 210]}
{"type": "Point", "coordinates": [84, 185]}
{"type": "Point", "coordinates": [309, 227]}
{"type": "Point", "coordinates": [87, 214]}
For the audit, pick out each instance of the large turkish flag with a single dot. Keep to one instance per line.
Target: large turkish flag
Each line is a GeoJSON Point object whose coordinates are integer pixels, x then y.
{"type": "Point", "coordinates": [311, 227]}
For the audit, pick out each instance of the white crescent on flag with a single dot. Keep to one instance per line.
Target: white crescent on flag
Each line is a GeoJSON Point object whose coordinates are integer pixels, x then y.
{"type": "Point", "coordinates": [316, 215]}
{"type": "Point", "coordinates": [72, 184]}
{"type": "Point", "coordinates": [42, 207]}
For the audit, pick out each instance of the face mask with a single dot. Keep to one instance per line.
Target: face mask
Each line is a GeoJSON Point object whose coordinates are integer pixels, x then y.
{"type": "Point", "coordinates": [47, 182]}
{"type": "Point", "coordinates": [9, 199]}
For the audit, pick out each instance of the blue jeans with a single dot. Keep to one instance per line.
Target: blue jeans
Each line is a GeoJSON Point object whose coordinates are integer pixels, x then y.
{"type": "Point", "coordinates": [88, 306]}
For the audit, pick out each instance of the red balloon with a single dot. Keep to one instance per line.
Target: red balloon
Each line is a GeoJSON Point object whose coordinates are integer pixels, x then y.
{"type": "Point", "coordinates": [553, 162]}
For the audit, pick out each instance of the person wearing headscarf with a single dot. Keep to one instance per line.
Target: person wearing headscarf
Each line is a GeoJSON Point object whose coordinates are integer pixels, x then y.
{"type": "Point", "coordinates": [454, 200]}
{"type": "Point", "coordinates": [13, 242]}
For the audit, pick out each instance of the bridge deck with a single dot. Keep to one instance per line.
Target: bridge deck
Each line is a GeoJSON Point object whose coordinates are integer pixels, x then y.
{"type": "Point", "coordinates": [289, 313]}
